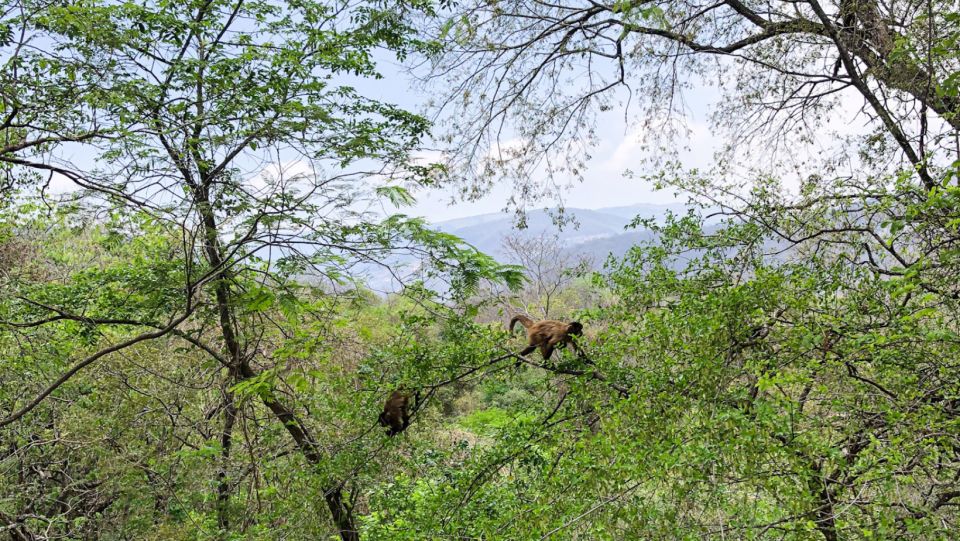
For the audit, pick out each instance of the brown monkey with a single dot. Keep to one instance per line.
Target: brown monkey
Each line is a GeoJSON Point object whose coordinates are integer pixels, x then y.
{"type": "Point", "coordinates": [548, 334]}
{"type": "Point", "coordinates": [396, 412]}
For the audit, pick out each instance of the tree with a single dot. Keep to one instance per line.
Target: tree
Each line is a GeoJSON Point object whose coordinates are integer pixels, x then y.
{"type": "Point", "coordinates": [41, 103]}
{"type": "Point", "coordinates": [551, 268]}
{"type": "Point", "coordinates": [782, 66]}
{"type": "Point", "coordinates": [234, 143]}
{"type": "Point", "coordinates": [799, 367]}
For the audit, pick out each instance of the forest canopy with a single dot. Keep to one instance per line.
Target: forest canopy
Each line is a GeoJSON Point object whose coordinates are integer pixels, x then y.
{"type": "Point", "coordinates": [190, 348]}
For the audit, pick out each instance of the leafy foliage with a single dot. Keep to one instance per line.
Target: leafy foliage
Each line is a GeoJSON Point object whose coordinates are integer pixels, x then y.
{"type": "Point", "coordinates": [188, 349]}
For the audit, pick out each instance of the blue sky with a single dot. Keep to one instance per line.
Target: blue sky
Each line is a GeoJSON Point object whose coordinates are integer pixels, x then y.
{"type": "Point", "coordinates": [604, 184]}
{"type": "Point", "coordinates": [620, 148]}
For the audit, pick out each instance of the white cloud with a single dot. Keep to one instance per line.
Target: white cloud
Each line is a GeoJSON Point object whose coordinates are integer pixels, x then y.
{"type": "Point", "coordinates": [284, 174]}
{"type": "Point", "coordinates": [60, 184]}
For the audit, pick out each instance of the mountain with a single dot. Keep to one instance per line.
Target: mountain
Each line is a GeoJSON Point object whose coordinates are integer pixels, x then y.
{"type": "Point", "coordinates": [597, 232]}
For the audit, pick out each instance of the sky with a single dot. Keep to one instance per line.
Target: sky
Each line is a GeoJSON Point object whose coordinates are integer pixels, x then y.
{"type": "Point", "coordinates": [620, 148]}
{"type": "Point", "coordinates": [604, 184]}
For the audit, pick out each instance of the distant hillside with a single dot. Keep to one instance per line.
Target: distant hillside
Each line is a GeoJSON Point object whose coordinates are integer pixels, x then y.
{"type": "Point", "coordinates": [598, 232]}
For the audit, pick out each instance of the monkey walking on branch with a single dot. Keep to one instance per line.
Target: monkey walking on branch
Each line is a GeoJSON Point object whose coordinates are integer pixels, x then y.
{"type": "Point", "coordinates": [548, 334]}
{"type": "Point", "coordinates": [396, 411]}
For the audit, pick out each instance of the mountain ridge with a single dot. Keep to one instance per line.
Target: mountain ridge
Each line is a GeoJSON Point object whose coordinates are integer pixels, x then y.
{"type": "Point", "coordinates": [595, 232]}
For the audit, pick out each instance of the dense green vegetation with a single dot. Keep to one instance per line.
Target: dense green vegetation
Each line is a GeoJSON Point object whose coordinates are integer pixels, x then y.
{"type": "Point", "coordinates": [188, 349]}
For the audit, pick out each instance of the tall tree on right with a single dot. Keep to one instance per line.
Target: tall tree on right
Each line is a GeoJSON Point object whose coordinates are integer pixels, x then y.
{"type": "Point", "coordinates": [531, 77]}
{"type": "Point", "coordinates": [793, 367]}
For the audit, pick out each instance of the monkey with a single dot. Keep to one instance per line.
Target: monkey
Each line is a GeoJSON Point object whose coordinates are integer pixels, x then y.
{"type": "Point", "coordinates": [396, 412]}
{"type": "Point", "coordinates": [548, 334]}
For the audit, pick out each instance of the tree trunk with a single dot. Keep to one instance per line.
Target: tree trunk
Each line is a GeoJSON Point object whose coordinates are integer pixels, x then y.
{"type": "Point", "coordinates": [341, 513]}
{"type": "Point", "coordinates": [223, 482]}
{"type": "Point", "coordinates": [824, 514]}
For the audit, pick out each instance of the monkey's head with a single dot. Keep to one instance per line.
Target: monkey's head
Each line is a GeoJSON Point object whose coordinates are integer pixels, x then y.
{"type": "Point", "coordinates": [576, 328]}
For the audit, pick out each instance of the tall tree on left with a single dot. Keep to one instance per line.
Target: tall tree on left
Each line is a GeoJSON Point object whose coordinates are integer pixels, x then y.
{"type": "Point", "coordinates": [233, 126]}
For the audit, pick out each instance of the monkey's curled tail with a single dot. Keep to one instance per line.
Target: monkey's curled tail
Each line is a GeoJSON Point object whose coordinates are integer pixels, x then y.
{"type": "Point", "coordinates": [524, 320]}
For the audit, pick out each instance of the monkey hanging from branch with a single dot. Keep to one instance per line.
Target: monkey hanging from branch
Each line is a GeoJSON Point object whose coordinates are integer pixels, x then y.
{"type": "Point", "coordinates": [548, 334]}
{"type": "Point", "coordinates": [397, 411]}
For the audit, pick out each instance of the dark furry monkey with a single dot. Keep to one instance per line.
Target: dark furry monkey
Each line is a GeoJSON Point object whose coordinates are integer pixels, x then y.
{"type": "Point", "coordinates": [548, 334]}
{"type": "Point", "coordinates": [397, 410]}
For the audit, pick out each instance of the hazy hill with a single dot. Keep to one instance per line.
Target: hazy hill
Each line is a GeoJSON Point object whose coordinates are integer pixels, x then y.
{"type": "Point", "coordinates": [595, 232]}
{"type": "Point", "coordinates": [598, 232]}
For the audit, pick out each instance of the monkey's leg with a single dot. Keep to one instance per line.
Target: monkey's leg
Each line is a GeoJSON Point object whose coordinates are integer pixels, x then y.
{"type": "Point", "coordinates": [546, 351]}
{"type": "Point", "coordinates": [526, 351]}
